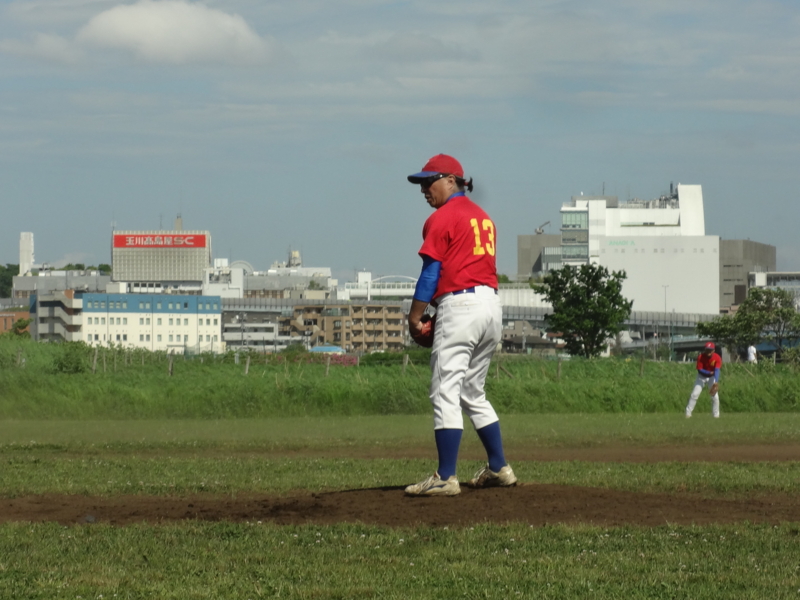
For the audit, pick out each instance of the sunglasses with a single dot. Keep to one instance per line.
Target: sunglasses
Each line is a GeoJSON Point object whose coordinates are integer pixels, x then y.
{"type": "Point", "coordinates": [429, 181]}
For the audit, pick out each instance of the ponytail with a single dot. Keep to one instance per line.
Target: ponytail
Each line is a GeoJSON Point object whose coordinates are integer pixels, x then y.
{"type": "Point", "coordinates": [462, 184]}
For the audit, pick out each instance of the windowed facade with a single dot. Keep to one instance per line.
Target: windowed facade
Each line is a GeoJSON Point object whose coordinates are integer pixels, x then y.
{"type": "Point", "coordinates": [151, 323]}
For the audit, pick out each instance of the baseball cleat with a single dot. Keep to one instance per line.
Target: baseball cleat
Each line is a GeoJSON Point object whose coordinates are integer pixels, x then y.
{"type": "Point", "coordinates": [435, 486]}
{"type": "Point", "coordinates": [488, 478]}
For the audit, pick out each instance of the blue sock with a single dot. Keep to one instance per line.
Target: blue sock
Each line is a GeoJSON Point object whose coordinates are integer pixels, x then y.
{"type": "Point", "coordinates": [447, 443]}
{"type": "Point", "coordinates": [493, 442]}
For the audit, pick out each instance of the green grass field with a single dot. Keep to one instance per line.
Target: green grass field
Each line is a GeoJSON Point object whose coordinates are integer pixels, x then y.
{"type": "Point", "coordinates": [284, 428]}
{"type": "Point", "coordinates": [258, 560]}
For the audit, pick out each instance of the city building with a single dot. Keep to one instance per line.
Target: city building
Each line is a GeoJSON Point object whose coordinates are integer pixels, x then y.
{"type": "Point", "coordinates": [780, 280]}
{"type": "Point", "coordinates": [8, 318]}
{"type": "Point", "coordinates": [253, 324]}
{"type": "Point", "coordinates": [49, 282]}
{"type": "Point", "coordinates": [530, 249]}
{"type": "Point", "coordinates": [388, 287]}
{"type": "Point", "coordinates": [356, 327]}
{"type": "Point", "coordinates": [154, 261]}
{"type": "Point", "coordinates": [272, 324]}
{"type": "Point", "coordinates": [56, 316]}
{"type": "Point", "coordinates": [737, 259]}
{"type": "Point", "coordinates": [163, 322]}
{"type": "Point", "coordinates": [670, 263]}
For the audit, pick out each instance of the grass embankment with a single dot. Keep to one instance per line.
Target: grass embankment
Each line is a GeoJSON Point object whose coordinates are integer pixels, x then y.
{"type": "Point", "coordinates": [55, 381]}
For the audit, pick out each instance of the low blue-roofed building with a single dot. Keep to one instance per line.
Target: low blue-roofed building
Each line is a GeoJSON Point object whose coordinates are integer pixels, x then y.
{"type": "Point", "coordinates": [157, 322]}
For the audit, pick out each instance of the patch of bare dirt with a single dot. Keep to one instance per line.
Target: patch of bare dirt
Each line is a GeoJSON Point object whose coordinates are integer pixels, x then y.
{"type": "Point", "coordinates": [533, 504]}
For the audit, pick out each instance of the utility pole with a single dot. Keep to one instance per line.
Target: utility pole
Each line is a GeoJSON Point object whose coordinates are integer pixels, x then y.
{"type": "Point", "coordinates": [242, 321]}
{"type": "Point", "coordinates": [669, 333]}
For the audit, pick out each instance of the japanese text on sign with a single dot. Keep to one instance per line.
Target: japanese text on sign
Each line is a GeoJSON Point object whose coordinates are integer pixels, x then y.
{"type": "Point", "coordinates": [159, 241]}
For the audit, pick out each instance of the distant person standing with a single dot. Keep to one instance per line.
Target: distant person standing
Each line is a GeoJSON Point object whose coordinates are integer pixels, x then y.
{"type": "Point", "coordinates": [752, 355]}
{"type": "Point", "coordinates": [709, 364]}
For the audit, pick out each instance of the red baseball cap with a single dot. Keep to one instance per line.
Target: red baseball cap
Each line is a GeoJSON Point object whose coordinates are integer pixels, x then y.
{"type": "Point", "coordinates": [441, 163]}
{"type": "Point", "coordinates": [710, 345]}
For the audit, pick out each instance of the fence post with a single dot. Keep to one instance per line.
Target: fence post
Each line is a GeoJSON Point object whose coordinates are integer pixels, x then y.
{"type": "Point", "coordinates": [247, 365]}
{"type": "Point", "coordinates": [405, 363]}
{"type": "Point", "coordinates": [170, 365]}
{"type": "Point", "coordinates": [19, 356]}
{"type": "Point", "coordinates": [94, 360]}
{"type": "Point", "coordinates": [104, 360]}
{"type": "Point", "coordinates": [327, 364]}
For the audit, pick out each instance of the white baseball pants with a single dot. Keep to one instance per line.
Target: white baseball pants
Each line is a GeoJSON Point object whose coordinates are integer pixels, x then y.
{"type": "Point", "coordinates": [699, 384]}
{"type": "Point", "coordinates": [468, 328]}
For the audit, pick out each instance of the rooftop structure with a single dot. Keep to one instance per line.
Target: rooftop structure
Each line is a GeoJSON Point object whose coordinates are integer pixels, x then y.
{"type": "Point", "coordinates": [26, 258]}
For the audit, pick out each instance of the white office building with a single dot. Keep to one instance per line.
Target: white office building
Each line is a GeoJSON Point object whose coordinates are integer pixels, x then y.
{"type": "Point", "coordinates": [670, 263]}
{"type": "Point", "coordinates": [156, 322]}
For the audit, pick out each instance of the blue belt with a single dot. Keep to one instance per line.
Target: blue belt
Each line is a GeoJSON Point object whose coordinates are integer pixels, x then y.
{"type": "Point", "coordinates": [470, 290]}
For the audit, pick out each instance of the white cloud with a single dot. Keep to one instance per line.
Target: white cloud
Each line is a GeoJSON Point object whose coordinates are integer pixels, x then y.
{"type": "Point", "coordinates": [43, 46]}
{"type": "Point", "coordinates": [176, 32]}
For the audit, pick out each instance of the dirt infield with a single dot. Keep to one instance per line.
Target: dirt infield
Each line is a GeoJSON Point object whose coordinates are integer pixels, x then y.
{"type": "Point", "coordinates": [536, 505]}
{"type": "Point", "coordinates": [531, 503]}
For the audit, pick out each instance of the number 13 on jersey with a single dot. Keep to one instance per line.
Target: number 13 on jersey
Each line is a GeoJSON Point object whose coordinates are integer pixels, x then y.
{"type": "Point", "coordinates": [485, 227]}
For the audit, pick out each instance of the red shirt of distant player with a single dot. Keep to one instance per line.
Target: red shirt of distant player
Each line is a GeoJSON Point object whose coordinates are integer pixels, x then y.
{"type": "Point", "coordinates": [461, 236]}
{"type": "Point", "coordinates": [709, 362]}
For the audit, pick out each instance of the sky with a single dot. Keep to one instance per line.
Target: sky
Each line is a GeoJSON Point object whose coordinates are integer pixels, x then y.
{"type": "Point", "coordinates": [293, 125]}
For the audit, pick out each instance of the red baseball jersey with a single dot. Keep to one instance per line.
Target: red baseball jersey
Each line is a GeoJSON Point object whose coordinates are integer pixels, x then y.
{"type": "Point", "coordinates": [709, 362]}
{"type": "Point", "coordinates": [461, 236]}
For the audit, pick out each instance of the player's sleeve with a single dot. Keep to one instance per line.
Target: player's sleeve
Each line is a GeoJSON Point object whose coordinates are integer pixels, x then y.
{"type": "Point", "coordinates": [428, 279]}
{"type": "Point", "coordinates": [716, 375]}
{"type": "Point", "coordinates": [436, 238]}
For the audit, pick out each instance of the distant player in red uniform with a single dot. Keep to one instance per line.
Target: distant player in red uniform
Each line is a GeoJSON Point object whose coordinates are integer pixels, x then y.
{"type": "Point", "coordinates": [459, 278]}
{"type": "Point", "coordinates": [709, 364]}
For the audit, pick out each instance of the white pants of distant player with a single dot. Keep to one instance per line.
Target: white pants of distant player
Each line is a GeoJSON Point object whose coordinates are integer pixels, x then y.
{"type": "Point", "coordinates": [468, 328]}
{"type": "Point", "coordinates": [699, 384]}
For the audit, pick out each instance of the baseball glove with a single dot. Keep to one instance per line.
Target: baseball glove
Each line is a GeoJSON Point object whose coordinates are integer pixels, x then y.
{"type": "Point", "coordinates": [714, 389]}
{"type": "Point", "coordinates": [425, 337]}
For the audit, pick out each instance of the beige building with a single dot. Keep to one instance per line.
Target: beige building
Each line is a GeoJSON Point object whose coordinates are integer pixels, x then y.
{"type": "Point", "coordinates": [738, 258]}
{"type": "Point", "coordinates": [529, 253]}
{"type": "Point", "coordinates": [366, 327]}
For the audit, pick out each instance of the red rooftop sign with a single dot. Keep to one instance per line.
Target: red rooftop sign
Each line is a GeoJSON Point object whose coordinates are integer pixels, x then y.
{"type": "Point", "coordinates": [159, 241]}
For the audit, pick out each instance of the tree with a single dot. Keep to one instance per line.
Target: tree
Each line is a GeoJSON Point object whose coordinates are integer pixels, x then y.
{"type": "Point", "coordinates": [19, 329]}
{"type": "Point", "coordinates": [7, 275]}
{"type": "Point", "coordinates": [773, 313]}
{"type": "Point", "coordinates": [501, 278]}
{"type": "Point", "coordinates": [588, 306]}
{"type": "Point", "coordinates": [765, 316]}
{"type": "Point", "coordinates": [727, 332]}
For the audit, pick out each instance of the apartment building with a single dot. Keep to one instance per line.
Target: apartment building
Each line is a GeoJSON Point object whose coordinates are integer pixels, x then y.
{"type": "Point", "coordinates": [368, 327]}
